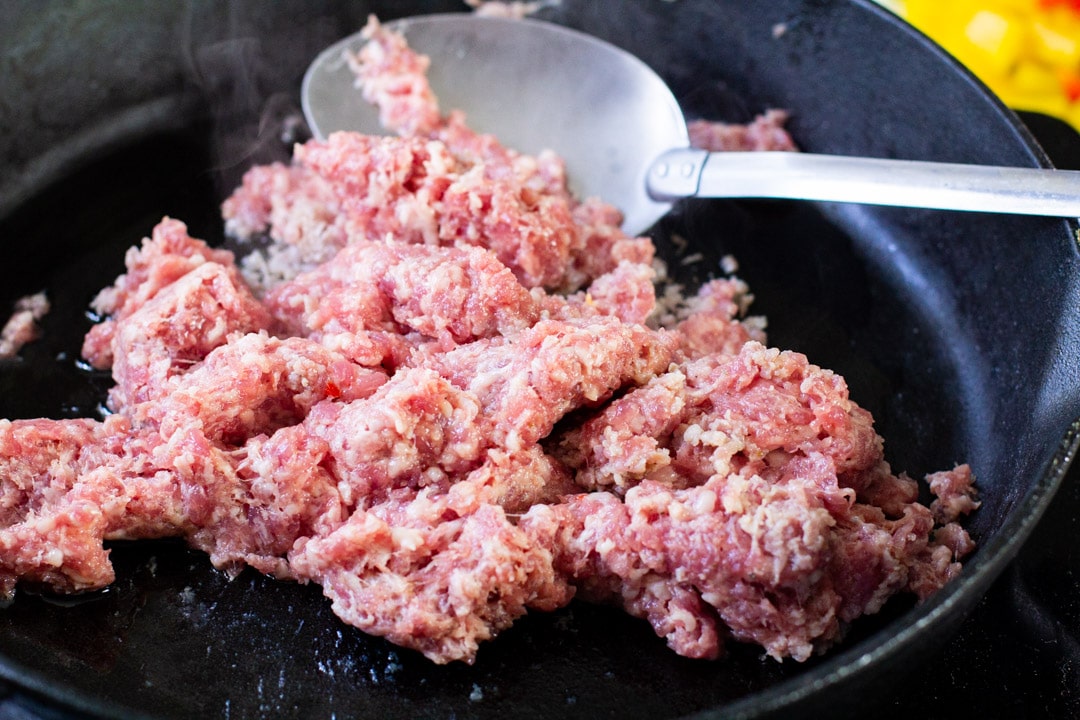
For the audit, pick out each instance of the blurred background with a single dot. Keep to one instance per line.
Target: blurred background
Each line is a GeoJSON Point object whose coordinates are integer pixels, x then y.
{"type": "Point", "coordinates": [1027, 51]}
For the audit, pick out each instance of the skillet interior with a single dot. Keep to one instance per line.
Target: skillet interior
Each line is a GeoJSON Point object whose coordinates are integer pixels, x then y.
{"type": "Point", "coordinates": [953, 329]}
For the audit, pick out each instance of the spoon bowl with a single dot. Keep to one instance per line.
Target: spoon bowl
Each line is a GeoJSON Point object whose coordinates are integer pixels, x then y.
{"type": "Point", "coordinates": [538, 86]}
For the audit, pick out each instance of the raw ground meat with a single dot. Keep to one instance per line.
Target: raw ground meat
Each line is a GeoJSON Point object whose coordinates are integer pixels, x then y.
{"type": "Point", "coordinates": [434, 572]}
{"type": "Point", "coordinates": [453, 295]}
{"type": "Point", "coordinates": [735, 485]}
{"type": "Point", "coordinates": [765, 132]}
{"type": "Point", "coordinates": [22, 326]}
{"type": "Point", "coordinates": [446, 392]}
{"type": "Point", "coordinates": [438, 183]}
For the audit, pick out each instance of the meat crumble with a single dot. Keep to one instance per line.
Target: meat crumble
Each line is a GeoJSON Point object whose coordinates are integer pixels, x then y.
{"type": "Point", "coordinates": [22, 327]}
{"type": "Point", "coordinates": [443, 393]}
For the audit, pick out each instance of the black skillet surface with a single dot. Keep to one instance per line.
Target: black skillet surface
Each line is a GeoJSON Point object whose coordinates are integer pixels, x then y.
{"type": "Point", "coordinates": [957, 331]}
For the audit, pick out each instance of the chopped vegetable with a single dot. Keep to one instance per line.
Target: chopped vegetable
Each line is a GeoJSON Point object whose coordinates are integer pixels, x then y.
{"type": "Point", "coordinates": [1026, 51]}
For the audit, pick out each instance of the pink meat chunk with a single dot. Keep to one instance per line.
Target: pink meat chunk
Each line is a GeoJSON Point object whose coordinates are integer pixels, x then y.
{"type": "Point", "coordinates": [293, 205]}
{"type": "Point", "coordinates": [163, 258]}
{"type": "Point", "coordinates": [765, 132]}
{"type": "Point", "coordinates": [431, 577]}
{"type": "Point", "coordinates": [439, 183]}
{"type": "Point", "coordinates": [178, 300]}
{"type": "Point", "coordinates": [254, 505]}
{"type": "Point", "coordinates": [740, 479]}
{"type": "Point", "coordinates": [22, 327]}
{"type": "Point", "coordinates": [784, 559]}
{"type": "Point", "coordinates": [720, 413]}
{"type": "Point", "coordinates": [415, 430]}
{"type": "Point", "coordinates": [178, 327]}
{"type": "Point", "coordinates": [450, 294]}
{"type": "Point", "coordinates": [627, 292]}
{"type": "Point", "coordinates": [428, 424]}
{"type": "Point", "coordinates": [417, 191]}
{"type": "Point", "coordinates": [67, 485]}
{"type": "Point", "coordinates": [712, 322]}
{"type": "Point", "coordinates": [47, 535]}
{"type": "Point", "coordinates": [257, 384]}
{"type": "Point", "coordinates": [601, 244]}
{"type": "Point", "coordinates": [514, 481]}
{"type": "Point", "coordinates": [394, 78]}
{"type": "Point", "coordinates": [244, 495]}
{"type": "Point", "coordinates": [528, 383]}
{"type": "Point", "coordinates": [72, 484]}
{"type": "Point", "coordinates": [954, 492]}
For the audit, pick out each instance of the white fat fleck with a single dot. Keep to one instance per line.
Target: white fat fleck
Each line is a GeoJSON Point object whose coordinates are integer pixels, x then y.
{"type": "Point", "coordinates": [733, 496]}
{"type": "Point", "coordinates": [682, 617]}
{"type": "Point", "coordinates": [43, 524]}
{"type": "Point", "coordinates": [463, 586]}
{"type": "Point", "coordinates": [714, 438]}
{"type": "Point", "coordinates": [407, 538]}
{"type": "Point", "coordinates": [678, 512]}
{"type": "Point", "coordinates": [705, 502]}
{"type": "Point", "coordinates": [514, 442]}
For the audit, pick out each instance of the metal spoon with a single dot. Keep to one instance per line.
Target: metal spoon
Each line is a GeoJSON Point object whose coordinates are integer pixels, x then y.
{"type": "Point", "coordinates": [537, 86]}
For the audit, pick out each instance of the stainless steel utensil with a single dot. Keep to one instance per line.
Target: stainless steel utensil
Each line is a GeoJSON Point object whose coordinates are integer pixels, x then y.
{"type": "Point", "coordinates": [539, 86]}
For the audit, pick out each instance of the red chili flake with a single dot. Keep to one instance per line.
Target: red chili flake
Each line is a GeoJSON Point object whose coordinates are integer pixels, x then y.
{"type": "Point", "coordinates": [332, 389]}
{"type": "Point", "coordinates": [1073, 5]}
{"type": "Point", "coordinates": [1070, 83]}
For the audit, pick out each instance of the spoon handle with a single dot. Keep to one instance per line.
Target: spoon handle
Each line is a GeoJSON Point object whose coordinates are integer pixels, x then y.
{"type": "Point", "coordinates": [906, 183]}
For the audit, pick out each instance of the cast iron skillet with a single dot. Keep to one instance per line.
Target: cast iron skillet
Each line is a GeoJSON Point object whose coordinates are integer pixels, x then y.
{"type": "Point", "coordinates": [956, 330]}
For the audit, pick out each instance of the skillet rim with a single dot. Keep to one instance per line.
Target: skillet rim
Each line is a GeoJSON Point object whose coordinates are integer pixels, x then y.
{"type": "Point", "coordinates": [882, 648]}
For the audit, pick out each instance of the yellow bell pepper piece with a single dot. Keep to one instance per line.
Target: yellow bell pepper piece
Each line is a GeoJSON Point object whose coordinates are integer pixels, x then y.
{"type": "Point", "coordinates": [996, 39]}
{"type": "Point", "coordinates": [1027, 51]}
{"type": "Point", "coordinates": [1055, 46]}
